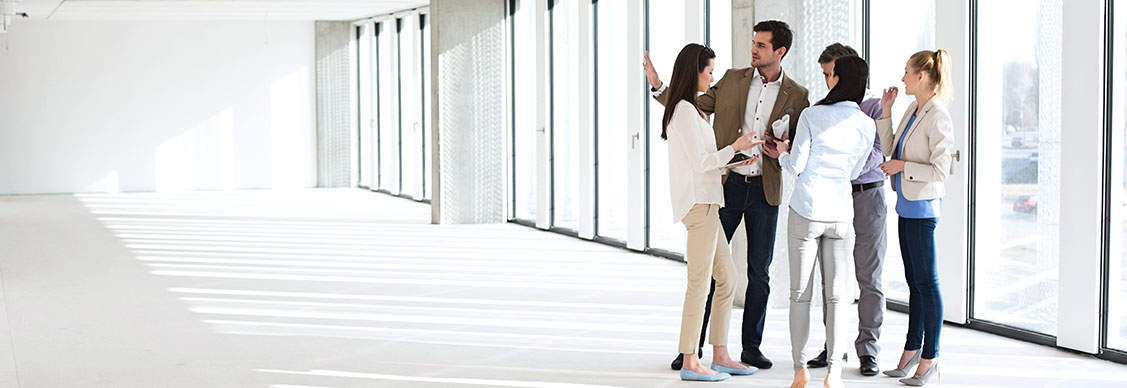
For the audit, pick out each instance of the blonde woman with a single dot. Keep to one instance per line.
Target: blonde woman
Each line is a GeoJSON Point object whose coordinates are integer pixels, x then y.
{"type": "Point", "coordinates": [921, 160]}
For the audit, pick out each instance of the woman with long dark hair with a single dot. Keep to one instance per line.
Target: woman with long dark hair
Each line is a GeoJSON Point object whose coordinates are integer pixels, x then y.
{"type": "Point", "coordinates": [831, 145]}
{"type": "Point", "coordinates": [921, 160]}
{"type": "Point", "coordinates": [695, 168]}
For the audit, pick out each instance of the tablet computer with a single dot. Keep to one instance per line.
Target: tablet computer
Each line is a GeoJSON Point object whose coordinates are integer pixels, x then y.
{"type": "Point", "coordinates": [739, 158]}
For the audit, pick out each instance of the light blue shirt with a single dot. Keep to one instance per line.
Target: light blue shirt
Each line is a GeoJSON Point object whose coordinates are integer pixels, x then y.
{"type": "Point", "coordinates": [928, 208]}
{"type": "Point", "coordinates": [829, 150]}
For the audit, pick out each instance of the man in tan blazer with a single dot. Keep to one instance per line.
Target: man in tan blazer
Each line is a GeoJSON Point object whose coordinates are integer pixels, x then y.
{"type": "Point", "coordinates": [751, 100]}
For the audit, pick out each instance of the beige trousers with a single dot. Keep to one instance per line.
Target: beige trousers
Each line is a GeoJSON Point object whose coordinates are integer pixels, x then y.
{"type": "Point", "coordinates": [709, 258]}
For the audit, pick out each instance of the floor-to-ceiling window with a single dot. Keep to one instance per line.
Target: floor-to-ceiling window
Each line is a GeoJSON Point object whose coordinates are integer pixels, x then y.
{"type": "Point", "coordinates": [393, 102]}
{"type": "Point", "coordinates": [1117, 262]}
{"type": "Point", "coordinates": [424, 82]}
{"type": "Point", "coordinates": [410, 107]}
{"type": "Point", "coordinates": [612, 71]}
{"type": "Point", "coordinates": [667, 35]}
{"type": "Point", "coordinates": [719, 39]}
{"type": "Point", "coordinates": [524, 108]}
{"type": "Point", "coordinates": [1017, 163]}
{"type": "Point", "coordinates": [388, 101]}
{"type": "Point", "coordinates": [565, 134]}
{"type": "Point", "coordinates": [904, 28]}
{"type": "Point", "coordinates": [365, 104]}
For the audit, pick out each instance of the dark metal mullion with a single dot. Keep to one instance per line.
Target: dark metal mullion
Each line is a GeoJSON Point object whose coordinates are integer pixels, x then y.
{"type": "Point", "coordinates": [423, 104]}
{"type": "Point", "coordinates": [646, 129]}
{"type": "Point", "coordinates": [399, 95]}
{"type": "Point", "coordinates": [1108, 149]}
{"type": "Point", "coordinates": [551, 113]}
{"type": "Point", "coordinates": [513, 92]}
{"type": "Point", "coordinates": [972, 156]}
{"type": "Point", "coordinates": [708, 23]}
{"type": "Point", "coordinates": [866, 32]}
{"type": "Point", "coordinates": [378, 111]}
{"type": "Point", "coordinates": [359, 110]}
{"type": "Point", "coordinates": [595, 111]}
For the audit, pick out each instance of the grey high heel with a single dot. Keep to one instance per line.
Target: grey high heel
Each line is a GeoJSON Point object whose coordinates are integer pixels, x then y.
{"type": "Point", "coordinates": [907, 367]}
{"type": "Point", "coordinates": [921, 380]}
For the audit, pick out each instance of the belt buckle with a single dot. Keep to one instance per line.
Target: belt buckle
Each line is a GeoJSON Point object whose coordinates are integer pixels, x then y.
{"type": "Point", "coordinates": [747, 179]}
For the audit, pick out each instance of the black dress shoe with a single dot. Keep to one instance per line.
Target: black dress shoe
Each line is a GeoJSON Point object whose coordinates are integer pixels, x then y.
{"type": "Point", "coordinates": [680, 360]}
{"type": "Point", "coordinates": [869, 366]}
{"type": "Point", "coordinates": [820, 361]}
{"type": "Point", "coordinates": [755, 358]}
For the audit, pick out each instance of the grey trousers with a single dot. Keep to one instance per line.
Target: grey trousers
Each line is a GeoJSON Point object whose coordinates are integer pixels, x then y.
{"type": "Point", "coordinates": [826, 247]}
{"type": "Point", "coordinates": [870, 225]}
{"type": "Point", "coordinates": [870, 216]}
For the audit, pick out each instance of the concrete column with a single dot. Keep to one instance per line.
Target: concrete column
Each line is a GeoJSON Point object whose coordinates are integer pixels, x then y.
{"type": "Point", "coordinates": [469, 50]}
{"type": "Point", "coordinates": [336, 154]}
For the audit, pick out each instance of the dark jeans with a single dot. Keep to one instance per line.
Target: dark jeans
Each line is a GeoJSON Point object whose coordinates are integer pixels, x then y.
{"type": "Point", "coordinates": [746, 201]}
{"type": "Point", "coordinates": [925, 304]}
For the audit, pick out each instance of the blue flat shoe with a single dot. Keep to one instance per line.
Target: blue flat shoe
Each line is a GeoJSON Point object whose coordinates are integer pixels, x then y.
{"type": "Point", "coordinates": [689, 375]}
{"type": "Point", "coordinates": [734, 371]}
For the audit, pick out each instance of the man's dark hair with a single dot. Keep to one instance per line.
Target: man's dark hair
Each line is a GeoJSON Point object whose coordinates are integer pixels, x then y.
{"type": "Point", "coordinates": [835, 51]}
{"type": "Point", "coordinates": [781, 35]}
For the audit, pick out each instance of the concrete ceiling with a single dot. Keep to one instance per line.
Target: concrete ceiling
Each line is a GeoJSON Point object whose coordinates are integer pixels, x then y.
{"type": "Point", "coordinates": [211, 9]}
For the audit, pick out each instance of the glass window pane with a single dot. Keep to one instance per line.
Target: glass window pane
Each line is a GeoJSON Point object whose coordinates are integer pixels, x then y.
{"type": "Point", "coordinates": [387, 99]}
{"type": "Point", "coordinates": [524, 110]}
{"type": "Point", "coordinates": [1017, 165]}
{"type": "Point", "coordinates": [612, 94]}
{"type": "Point", "coordinates": [410, 103]}
{"type": "Point", "coordinates": [905, 28]}
{"type": "Point", "coordinates": [366, 119]}
{"type": "Point", "coordinates": [720, 36]}
{"type": "Point", "coordinates": [667, 37]}
{"type": "Point", "coordinates": [426, 118]}
{"type": "Point", "coordinates": [1117, 270]}
{"type": "Point", "coordinates": [565, 134]}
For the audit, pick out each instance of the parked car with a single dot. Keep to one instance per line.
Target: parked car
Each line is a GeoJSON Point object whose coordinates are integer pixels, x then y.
{"type": "Point", "coordinates": [1026, 204]}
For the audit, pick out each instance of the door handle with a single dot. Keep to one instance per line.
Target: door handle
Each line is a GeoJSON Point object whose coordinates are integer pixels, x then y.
{"type": "Point", "coordinates": [634, 140]}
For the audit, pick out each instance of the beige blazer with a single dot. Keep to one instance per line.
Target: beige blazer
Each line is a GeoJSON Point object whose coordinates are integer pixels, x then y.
{"type": "Point", "coordinates": [927, 150]}
{"type": "Point", "coordinates": [727, 101]}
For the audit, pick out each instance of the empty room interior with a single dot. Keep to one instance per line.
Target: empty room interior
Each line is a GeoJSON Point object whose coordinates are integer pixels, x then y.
{"type": "Point", "coordinates": [563, 193]}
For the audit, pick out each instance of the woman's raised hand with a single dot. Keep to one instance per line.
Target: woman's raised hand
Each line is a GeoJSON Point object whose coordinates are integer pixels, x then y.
{"type": "Point", "coordinates": [887, 99]}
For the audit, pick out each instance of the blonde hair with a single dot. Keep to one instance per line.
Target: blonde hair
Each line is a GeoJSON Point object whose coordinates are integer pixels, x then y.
{"type": "Point", "coordinates": [937, 65]}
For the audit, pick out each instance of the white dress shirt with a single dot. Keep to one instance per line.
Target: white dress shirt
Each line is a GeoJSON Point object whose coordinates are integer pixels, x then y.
{"type": "Point", "coordinates": [695, 166]}
{"type": "Point", "coordinates": [761, 98]}
{"type": "Point", "coordinates": [829, 149]}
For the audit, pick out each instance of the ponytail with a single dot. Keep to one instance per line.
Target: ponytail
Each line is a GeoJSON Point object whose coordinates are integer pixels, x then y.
{"type": "Point", "coordinates": [937, 65]}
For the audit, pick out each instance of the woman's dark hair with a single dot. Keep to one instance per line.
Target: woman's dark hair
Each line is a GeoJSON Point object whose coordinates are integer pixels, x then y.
{"type": "Point", "coordinates": [683, 84]}
{"type": "Point", "coordinates": [852, 77]}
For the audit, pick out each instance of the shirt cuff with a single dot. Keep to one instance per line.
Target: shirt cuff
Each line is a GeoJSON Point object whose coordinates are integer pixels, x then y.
{"type": "Point", "coordinates": [659, 91]}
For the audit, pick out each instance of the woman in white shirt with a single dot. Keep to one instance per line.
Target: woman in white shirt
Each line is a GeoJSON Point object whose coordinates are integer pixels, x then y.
{"type": "Point", "coordinates": [695, 168]}
{"type": "Point", "coordinates": [832, 143]}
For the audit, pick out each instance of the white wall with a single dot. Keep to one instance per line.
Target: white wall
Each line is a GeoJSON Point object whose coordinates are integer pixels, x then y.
{"type": "Point", "coordinates": [157, 106]}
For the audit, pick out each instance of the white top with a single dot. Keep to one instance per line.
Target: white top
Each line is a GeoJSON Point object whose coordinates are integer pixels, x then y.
{"type": "Point", "coordinates": [695, 166]}
{"type": "Point", "coordinates": [829, 149]}
{"type": "Point", "coordinates": [761, 96]}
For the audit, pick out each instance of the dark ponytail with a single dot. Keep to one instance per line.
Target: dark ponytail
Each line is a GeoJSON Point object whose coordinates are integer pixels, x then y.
{"type": "Point", "coordinates": [852, 78]}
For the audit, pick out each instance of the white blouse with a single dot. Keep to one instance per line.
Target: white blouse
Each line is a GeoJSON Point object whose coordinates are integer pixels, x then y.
{"type": "Point", "coordinates": [695, 166]}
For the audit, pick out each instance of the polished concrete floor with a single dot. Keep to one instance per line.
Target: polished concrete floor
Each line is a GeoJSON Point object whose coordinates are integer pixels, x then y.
{"type": "Point", "coordinates": [347, 288]}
